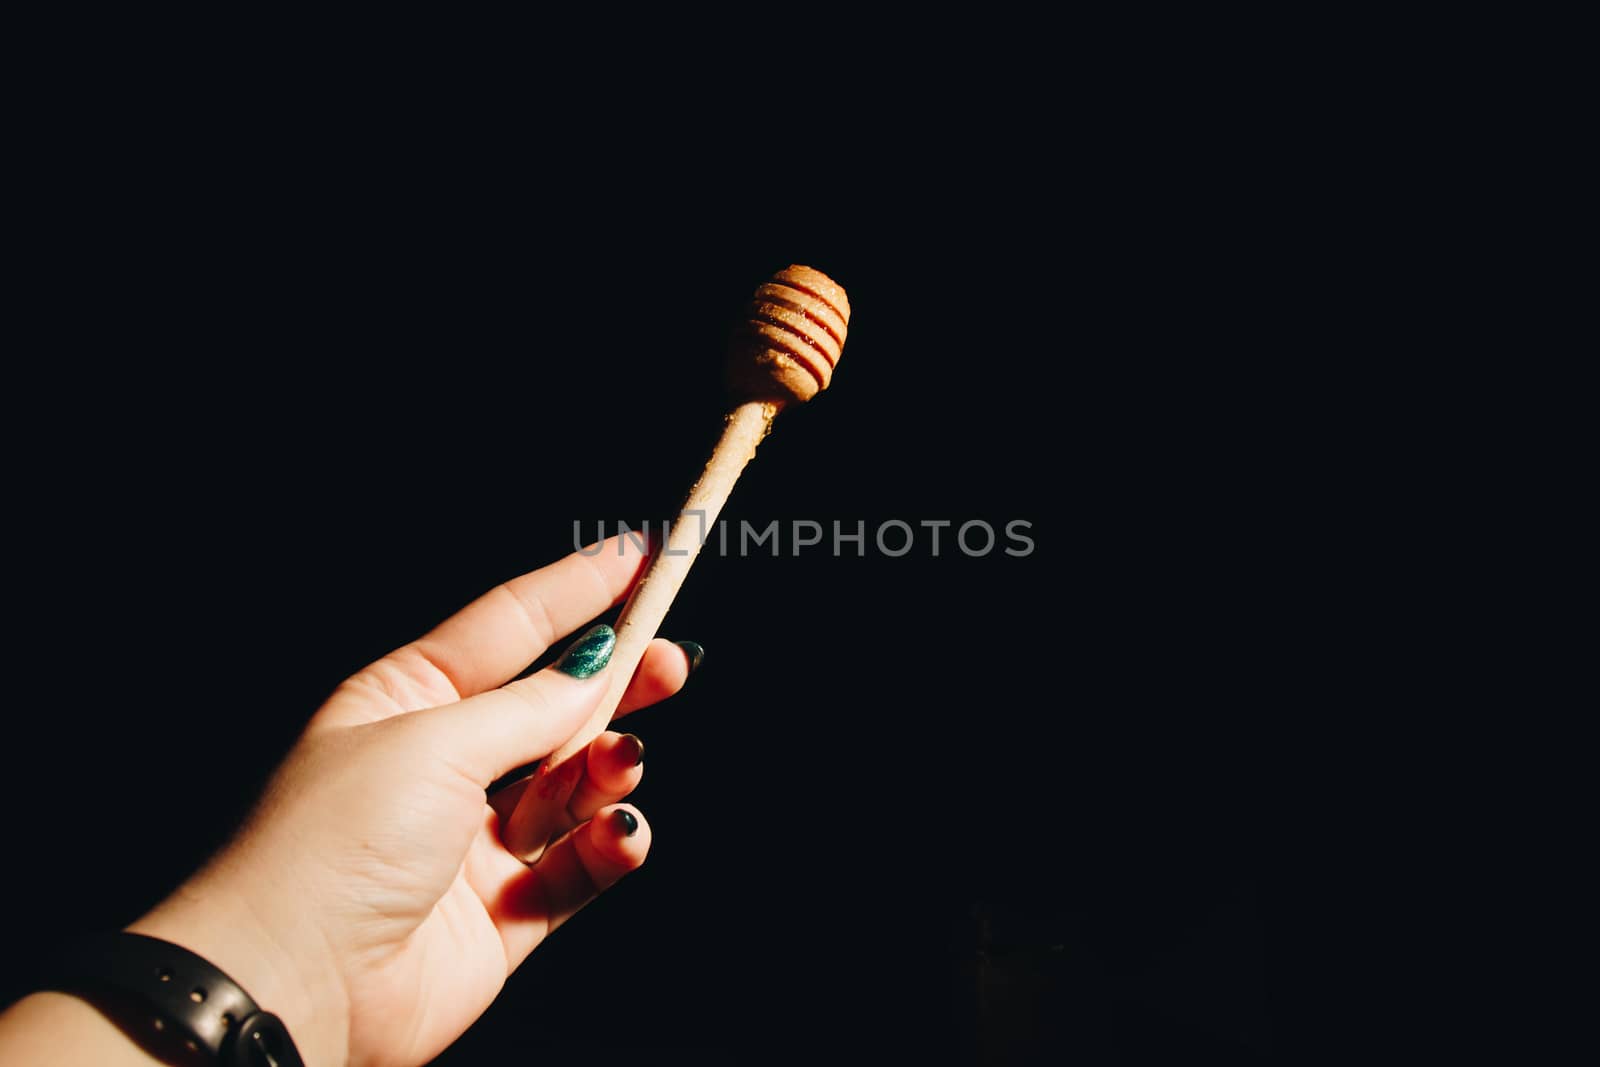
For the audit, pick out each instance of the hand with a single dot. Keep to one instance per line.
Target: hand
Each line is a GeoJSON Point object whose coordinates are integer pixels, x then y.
{"type": "Point", "coordinates": [368, 899]}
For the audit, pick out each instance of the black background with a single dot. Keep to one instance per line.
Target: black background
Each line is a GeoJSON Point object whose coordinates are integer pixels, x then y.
{"type": "Point", "coordinates": [967, 809]}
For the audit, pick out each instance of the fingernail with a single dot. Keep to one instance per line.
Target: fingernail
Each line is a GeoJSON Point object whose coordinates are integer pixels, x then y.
{"type": "Point", "coordinates": [625, 823]}
{"type": "Point", "coordinates": [634, 748]}
{"type": "Point", "coordinates": [589, 654]}
{"type": "Point", "coordinates": [693, 650]}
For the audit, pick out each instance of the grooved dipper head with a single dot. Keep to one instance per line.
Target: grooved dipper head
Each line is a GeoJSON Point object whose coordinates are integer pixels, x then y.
{"type": "Point", "coordinates": [789, 342]}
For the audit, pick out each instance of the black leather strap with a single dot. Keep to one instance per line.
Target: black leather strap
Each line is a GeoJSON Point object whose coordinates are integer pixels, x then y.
{"type": "Point", "coordinates": [187, 1002]}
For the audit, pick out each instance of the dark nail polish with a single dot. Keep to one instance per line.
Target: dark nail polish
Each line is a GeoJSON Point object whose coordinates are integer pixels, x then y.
{"type": "Point", "coordinates": [633, 749]}
{"type": "Point", "coordinates": [693, 650]}
{"type": "Point", "coordinates": [589, 654]}
{"type": "Point", "coordinates": [624, 821]}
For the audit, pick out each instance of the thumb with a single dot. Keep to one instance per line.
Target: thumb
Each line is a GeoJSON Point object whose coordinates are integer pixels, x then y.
{"type": "Point", "coordinates": [495, 732]}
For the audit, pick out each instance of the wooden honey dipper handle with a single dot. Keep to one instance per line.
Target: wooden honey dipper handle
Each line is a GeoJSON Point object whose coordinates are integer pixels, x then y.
{"type": "Point", "coordinates": [541, 813]}
{"type": "Point", "coordinates": [784, 352]}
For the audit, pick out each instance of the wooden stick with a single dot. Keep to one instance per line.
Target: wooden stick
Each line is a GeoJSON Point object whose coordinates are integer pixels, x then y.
{"type": "Point", "coordinates": [542, 812]}
{"type": "Point", "coordinates": [784, 352]}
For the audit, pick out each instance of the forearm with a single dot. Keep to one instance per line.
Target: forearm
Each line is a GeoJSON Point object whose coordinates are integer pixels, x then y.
{"type": "Point", "coordinates": [61, 1028]}
{"type": "Point", "coordinates": [54, 1028]}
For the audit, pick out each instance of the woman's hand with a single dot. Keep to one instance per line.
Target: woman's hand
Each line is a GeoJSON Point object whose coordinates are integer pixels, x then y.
{"type": "Point", "coordinates": [368, 900]}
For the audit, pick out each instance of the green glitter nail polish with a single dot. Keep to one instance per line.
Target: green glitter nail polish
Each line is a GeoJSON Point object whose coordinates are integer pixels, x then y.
{"type": "Point", "coordinates": [589, 654]}
{"type": "Point", "coordinates": [695, 653]}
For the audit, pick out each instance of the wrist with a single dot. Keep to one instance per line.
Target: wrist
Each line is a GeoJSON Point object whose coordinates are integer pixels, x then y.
{"type": "Point", "coordinates": [279, 959]}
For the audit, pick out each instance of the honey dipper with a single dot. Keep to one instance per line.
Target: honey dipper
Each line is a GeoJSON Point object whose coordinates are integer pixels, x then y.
{"type": "Point", "coordinates": [783, 352]}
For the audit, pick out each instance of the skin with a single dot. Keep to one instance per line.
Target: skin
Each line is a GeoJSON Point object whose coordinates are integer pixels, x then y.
{"type": "Point", "coordinates": [368, 900]}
